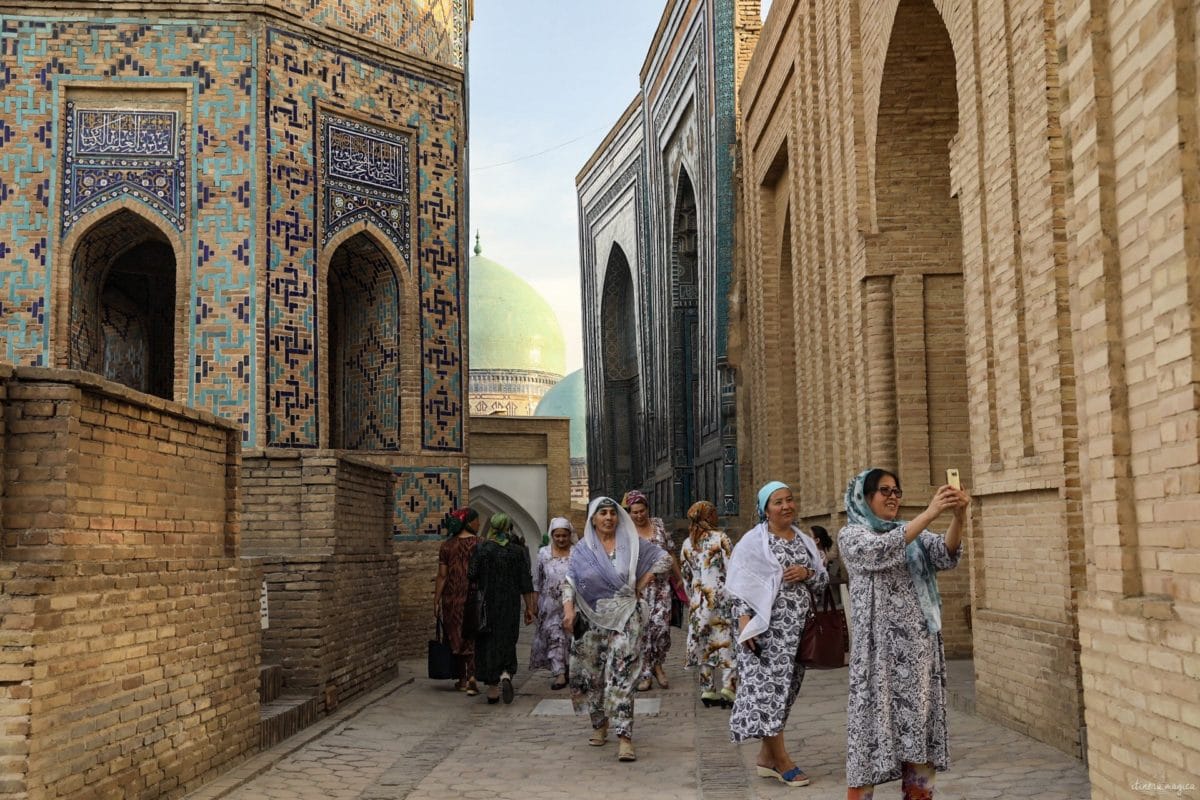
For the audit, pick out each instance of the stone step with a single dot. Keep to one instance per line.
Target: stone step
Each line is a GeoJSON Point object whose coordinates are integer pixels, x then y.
{"type": "Point", "coordinates": [270, 682]}
{"type": "Point", "coordinates": [287, 715]}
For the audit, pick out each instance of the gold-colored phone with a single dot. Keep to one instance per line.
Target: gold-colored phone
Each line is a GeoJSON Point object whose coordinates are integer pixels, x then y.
{"type": "Point", "coordinates": [952, 478]}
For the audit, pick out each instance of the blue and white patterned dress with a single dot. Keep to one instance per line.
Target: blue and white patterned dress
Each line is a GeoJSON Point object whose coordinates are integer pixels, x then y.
{"type": "Point", "coordinates": [896, 710]}
{"type": "Point", "coordinates": [771, 680]}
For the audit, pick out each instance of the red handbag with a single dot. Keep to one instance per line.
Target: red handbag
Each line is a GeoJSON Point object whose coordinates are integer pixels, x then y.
{"type": "Point", "coordinates": [823, 643]}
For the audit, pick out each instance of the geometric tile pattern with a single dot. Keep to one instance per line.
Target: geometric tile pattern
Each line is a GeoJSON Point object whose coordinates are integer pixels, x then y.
{"type": "Point", "coordinates": [432, 29]}
{"type": "Point", "coordinates": [300, 77]}
{"type": "Point", "coordinates": [40, 59]}
{"type": "Point", "coordinates": [423, 496]}
{"type": "Point", "coordinates": [365, 176]}
{"type": "Point", "coordinates": [364, 368]}
{"type": "Point", "coordinates": [112, 154]}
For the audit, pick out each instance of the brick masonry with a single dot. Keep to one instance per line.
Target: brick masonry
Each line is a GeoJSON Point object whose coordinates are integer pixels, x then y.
{"type": "Point", "coordinates": [130, 624]}
{"type": "Point", "coordinates": [321, 526]}
{"type": "Point", "coordinates": [993, 265]}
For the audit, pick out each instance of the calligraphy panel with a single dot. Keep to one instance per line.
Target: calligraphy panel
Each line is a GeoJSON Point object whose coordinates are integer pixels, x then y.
{"type": "Point", "coordinates": [367, 176]}
{"type": "Point", "coordinates": [117, 153]}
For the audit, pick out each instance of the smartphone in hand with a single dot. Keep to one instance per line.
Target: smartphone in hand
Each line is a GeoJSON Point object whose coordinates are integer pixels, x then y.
{"type": "Point", "coordinates": [952, 478]}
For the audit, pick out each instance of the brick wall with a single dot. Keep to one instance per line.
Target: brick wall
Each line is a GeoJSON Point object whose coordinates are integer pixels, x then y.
{"type": "Point", "coordinates": [321, 523]}
{"type": "Point", "coordinates": [130, 624]}
{"type": "Point", "coordinates": [931, 322]}
{"type": "Point", "coordinates": [1131, 130]}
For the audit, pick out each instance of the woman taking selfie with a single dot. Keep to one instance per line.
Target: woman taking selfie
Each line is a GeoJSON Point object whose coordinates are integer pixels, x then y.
{"type": "Point", "coordinates": [896, 712]}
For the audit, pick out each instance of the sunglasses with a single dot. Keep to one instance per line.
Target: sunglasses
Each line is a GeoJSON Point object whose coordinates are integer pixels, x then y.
{"type": "Point", "coordinates": [888, 491]}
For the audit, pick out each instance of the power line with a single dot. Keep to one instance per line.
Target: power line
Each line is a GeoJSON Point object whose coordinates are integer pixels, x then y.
{"type": "Point", "coordinates": [558, 146]}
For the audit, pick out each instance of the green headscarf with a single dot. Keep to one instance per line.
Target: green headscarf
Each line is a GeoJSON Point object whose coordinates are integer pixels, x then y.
{"type": "Point", "coordinates": [499, 527]}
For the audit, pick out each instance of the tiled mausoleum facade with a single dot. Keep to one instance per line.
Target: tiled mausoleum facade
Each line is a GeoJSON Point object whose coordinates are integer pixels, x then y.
{"type": "Point", "coordinates": [253, 209]}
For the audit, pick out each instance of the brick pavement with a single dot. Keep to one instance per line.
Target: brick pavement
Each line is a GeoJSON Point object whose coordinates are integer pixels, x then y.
{"type": "Point", "coordinates": [420, 740]}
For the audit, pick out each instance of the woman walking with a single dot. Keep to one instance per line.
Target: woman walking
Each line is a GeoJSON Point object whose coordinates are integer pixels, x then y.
{"type": "Point", "coordinates": [896, 712]}
{"type": "Point", "coordinates": [550, 641]}
{"type": "Point", "coordinates": [710, 635]}
{"type": "Point", "coordinates": [452, 589]}
{"type": "Point", "coordinates": [773, 574]}
{"type": "Point", "coordinates": [500, 567]}
{"type": "Point", "coordinates": [656, 635]}
{"type": "Point", "coordinates": [608, 570]}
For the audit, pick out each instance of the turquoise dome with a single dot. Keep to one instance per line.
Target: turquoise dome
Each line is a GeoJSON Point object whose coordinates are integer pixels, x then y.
{"type": "Point", "coordinates": [512, 326]}
{"type": "Point", "coordinates": [567, 399]}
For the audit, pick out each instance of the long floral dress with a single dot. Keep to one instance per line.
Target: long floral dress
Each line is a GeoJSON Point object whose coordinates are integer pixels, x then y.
{"type": "Point", "coordinates": [656, 633]}
{"type": "Point", "coordinates": [550, 641]}
{"type": "Point", "coordinates": [455, 554]}
{"type": "Point", "coordinates": [771, 680]}
{"type": "Point", "coordinates": [896, 711]}
{"type": "Point", "coordinates": [710, 631]}
{"type": "Point", "coordinates": [502, 573]}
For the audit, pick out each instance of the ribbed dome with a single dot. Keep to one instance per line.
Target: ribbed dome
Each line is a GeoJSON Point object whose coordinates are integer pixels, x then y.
{"type": "Point", "coordinates": [512, 326]}
{"type": "Point", "coordinates": [568, 399]}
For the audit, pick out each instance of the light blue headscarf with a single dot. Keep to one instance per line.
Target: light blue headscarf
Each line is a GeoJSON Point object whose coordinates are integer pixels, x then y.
{"type": "Point", "coordinates": [924, 577]}
{"type": "Point", "coordinates": [764, 494]}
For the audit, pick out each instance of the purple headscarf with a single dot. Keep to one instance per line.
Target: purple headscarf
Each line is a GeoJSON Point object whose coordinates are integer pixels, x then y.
{"type": "Point", "coordinates": [604, 587]}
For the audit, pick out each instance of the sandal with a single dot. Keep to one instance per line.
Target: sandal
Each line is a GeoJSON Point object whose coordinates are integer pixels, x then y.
{"type": "Point", "coordinates": [661, 677]}
{"type": "Point", "coordinates": [793, 777]}
{"type": "Point", "coordinates": [625, 751]}
{"type": "Point", "coordinates": [599, 737]}
{"type": "Point", "coordinates": [644, 685]}
{"type": "Point", "coordinates": [472, 689]}
{"type": "Point", "coordinates": [711, 698]}
{"type": "Point", "coordinates": [559, 684]}
{"type": "Point", "coordinates": [727, 697]}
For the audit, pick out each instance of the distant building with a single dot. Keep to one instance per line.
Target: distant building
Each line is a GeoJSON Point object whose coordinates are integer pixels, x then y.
{"type": "Point", "coordinates": [656, 257]}
{"type": "Point", "coordinates": [568, 399]}
{"type": "Point", "coordinates": [517, 347]}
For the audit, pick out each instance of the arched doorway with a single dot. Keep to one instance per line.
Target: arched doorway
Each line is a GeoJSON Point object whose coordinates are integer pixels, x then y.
{"type": "Point", "coordinates": [684, 344]}
{"type": "Point", "coordinates": [622, 384]}
{"type": "Point", "coordinates": [488, 500]}
{"type": "Point", "coordinates": [122, 314]}
{"type": "Point", "coordinates": [363, 347]}
{"type": "Point", "coordinates": [915, 321]}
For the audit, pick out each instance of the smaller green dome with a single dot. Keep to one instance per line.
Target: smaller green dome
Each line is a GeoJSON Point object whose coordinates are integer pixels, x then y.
{"type": "Point", "coordinates": [567, 398]}
{"type": "Point", "coordinates": [512, 326]}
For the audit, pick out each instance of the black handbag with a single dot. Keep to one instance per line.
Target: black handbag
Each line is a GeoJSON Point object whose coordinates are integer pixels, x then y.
{"type": "Point", "coordinates": [580, 626]}
{"type": "Point", "coordinates": [478, 602]}
{"type": "Point", "coordinates": [441, 659]}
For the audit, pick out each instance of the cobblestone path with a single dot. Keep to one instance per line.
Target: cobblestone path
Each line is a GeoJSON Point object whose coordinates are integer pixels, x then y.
{"type": "Point", "coordinates": [421, 740]}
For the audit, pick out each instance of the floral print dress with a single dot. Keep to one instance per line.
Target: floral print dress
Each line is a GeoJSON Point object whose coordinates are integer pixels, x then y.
{"type": "Point", "coordinates": [710, 628]}
{"type": "Point", "coordinates": [896, 711]}
{"type": "Point", "coordinates": [550, 641]}
{"type": "Point", "coordinates": [771, 680]}
{"type": "Point", "coordinates": [656, 633]}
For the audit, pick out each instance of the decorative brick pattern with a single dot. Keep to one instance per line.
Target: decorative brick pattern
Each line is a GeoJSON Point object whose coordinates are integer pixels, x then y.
{"type": "Point", "coordinates": [303, 74]}
{"type": "Point", "coordinates": [423, 496]}
{"type": "Point", "coordinates": [44, 62]}
{"type": "Point", "coordinates": [432, 29]}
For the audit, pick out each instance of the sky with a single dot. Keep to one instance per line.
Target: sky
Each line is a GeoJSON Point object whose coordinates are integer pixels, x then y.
{"type": "Point", "coordinates": [546, 75]}
{"type": "Point", "coordinates": [548, 79]}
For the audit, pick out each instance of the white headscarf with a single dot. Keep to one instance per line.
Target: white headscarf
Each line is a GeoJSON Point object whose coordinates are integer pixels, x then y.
{"type": "Point", "coordinates": [755, 575]}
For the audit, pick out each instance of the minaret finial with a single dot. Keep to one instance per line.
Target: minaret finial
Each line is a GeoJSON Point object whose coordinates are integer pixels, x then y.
{"type": "Point", "coordinates": [478, 247]}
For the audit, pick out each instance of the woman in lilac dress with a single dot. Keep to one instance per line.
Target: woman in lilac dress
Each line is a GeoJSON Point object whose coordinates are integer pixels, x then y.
{"type": "Point", "coordinates": [550, 641]}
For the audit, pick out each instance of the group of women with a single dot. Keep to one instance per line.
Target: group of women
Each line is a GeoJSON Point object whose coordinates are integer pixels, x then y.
{"type": "Point", "coordinates": [603, 610]}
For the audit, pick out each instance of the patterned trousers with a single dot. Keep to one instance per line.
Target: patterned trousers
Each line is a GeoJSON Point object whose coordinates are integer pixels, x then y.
{"type": "Point", "coordinates": [604, 667]}
{"type": "Point", "coordinates": [916, 782]}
